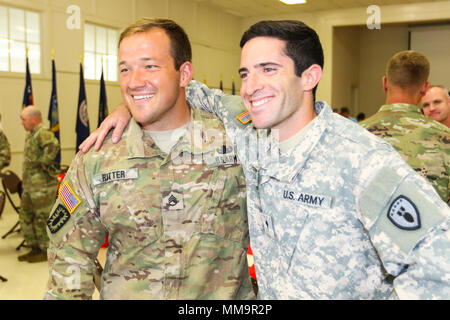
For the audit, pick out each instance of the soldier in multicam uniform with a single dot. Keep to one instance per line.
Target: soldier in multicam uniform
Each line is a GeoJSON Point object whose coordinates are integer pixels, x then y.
{"type": "Point", "coordinates": [423, 143]}
{"type": "Point", "coordinates": [171, 195]}
{"type": "Point", "coordinates": [39, 183]}
{"type": "Point", "coordinates": [5, 150]}
{"type": "Point", "coordinates": [334, 212]}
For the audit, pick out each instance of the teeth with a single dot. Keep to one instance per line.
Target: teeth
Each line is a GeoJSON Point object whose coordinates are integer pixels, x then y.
{"type": "Point", "coordinates": [143, 97]}
{"type": "Point", "coordinates": [260, 102]}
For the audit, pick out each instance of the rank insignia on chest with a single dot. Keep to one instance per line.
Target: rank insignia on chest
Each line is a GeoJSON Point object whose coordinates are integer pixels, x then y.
{"type": "Point", "coordinates": [244, 117]}
{"type": "Point", "coordinates": [173, 201]}
{"type": "Point", "coordinates": [58, 218]}
{"type": "Point", "coordinates": [69, 197]}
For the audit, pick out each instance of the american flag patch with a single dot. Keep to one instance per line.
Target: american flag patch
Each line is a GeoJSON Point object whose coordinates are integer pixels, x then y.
{"type": "Point", "coordinates": [244, 117]}
{"type": "Point", "coordinates": [69, 197]}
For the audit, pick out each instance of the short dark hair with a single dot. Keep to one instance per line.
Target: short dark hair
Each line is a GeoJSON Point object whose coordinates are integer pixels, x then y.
{"type": "Point", "coordinates": [361, 116]}
{"type": "Point", "coordinates": [345, 110]}
{"type": "Point", "coordinates": [446, 91]}
{"type": "Point", "coordinates": [408, 69]}
{"type": "Point", "coordinates": [179, 41]}
{"type": "Point", "coordinates": [302, 43]}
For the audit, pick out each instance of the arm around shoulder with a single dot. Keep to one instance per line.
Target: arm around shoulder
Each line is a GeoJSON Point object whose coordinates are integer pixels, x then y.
{"type": "Point", "coordinates": [214, 101]}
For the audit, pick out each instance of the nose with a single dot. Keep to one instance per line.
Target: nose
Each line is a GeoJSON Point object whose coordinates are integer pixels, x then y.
{"type": "Point", "coordinates": [136, 79]}
{"type": "Point", "coordinates": [432, 107]}
{"type": "Point", "coordinates": [252, 84]}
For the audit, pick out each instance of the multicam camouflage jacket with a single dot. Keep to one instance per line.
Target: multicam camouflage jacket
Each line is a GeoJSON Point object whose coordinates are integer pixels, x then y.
{"type": "Point", "coordinates": [340, 216]}
{"type": "Point", "coordinates": [177, 222]}
{"type": "Point", "coordinates": [41, 148]}
{"type": "Point", "coordinates": [5, 151]}
{"type": "Point", "coordinates": [423, 143]}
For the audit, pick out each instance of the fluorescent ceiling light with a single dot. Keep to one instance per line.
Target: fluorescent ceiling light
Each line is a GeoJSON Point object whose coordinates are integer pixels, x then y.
{"type": "Point", "coordinates": [293, 1]}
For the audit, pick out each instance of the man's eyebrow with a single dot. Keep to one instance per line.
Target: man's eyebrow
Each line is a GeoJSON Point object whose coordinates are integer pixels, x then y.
{"type": "Point", "coordinates": [264, 64]}
{"type": "Point", "coordinates": [261, 65]}
{"type": "Point", "coordinates": [242, 70]}
{"type": "Point", "coordinates": [145, 59]}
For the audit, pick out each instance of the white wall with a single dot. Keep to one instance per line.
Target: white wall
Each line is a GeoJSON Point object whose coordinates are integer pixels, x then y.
{"type": "Point", "coordinates": [376, 48]}
{"type": "Point", "coordinates": [214, 37]}
{"type": "Point", "coordinates": [434, 43]}
{"type": "Point", "coordinates": [345, 74]}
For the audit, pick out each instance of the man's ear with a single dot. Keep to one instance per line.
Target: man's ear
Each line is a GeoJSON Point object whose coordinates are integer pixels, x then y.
{"type": "Point", "coordinates": [186, 72]}
{"type": "Point", "coordinates": [424, 89]}
{"type": "Point", "coordinates": [311, 77]}
{"type": "Point", "coordinates": [384, 84]}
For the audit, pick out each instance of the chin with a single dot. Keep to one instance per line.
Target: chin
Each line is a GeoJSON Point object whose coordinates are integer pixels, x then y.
{"type": "Point", "coordinates": [260, 124]}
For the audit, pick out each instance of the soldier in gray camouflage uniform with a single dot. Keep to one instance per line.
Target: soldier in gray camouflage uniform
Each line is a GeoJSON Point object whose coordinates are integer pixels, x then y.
{"type": "Point", "coordinates": [334, 212]}
{"type": "Point", "coordinates": [39, 183]}
{"type": "Point", "coordinates": [423, 143]}
{"type": "Point", "coordinates": [171, 195]}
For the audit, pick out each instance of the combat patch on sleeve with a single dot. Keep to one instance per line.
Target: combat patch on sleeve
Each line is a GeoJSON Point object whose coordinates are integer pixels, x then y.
{"type": "Point", "coordinates": [69, 197]}
{"type": "Point", "coordinates": [394, 205]}
{"type": "Point", "coordinates": [58, 218]}
{"type": "Point", "coordinates": [244, 117]}
{"type": "Point", "coordinates": [404, 214]}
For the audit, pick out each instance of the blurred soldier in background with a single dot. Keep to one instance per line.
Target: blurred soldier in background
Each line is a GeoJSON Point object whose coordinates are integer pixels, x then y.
{"type": "Point", "coordinates": [436, 104]}
{"type": "Point", "coordinates": [39, 183]}
{"type": "Point", "coordinates": [423, 143]}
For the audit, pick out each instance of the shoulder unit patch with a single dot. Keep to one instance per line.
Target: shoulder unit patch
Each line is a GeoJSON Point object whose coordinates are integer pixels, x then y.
{"type": "Point", "coordinates": [58, 218]}
{"type": "Point", "coordinates": [404, 214]}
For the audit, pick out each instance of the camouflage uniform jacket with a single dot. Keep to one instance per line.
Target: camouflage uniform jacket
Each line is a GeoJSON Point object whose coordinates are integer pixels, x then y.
{"type": "Point", "coordinates": [341, 217]}
{"type": "Point", "coordinates": [5, 151]}
{"type": "Point", "coordinates": [41, 148]}
{"type": "Point", "coordinates": [177, 223]}
{"type": "Point", "coordinates": [423, 143]}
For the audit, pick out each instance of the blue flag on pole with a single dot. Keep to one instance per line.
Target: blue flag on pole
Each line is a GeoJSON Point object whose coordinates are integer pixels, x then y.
{"type": "Point", "coordinates": [28, 92]}
{"type": "Point", "coordinates": [82, 125]}
{"type": "Point", "coordinates": [53, 116]}
{"type": "Point", "coordinates": [103, 107]}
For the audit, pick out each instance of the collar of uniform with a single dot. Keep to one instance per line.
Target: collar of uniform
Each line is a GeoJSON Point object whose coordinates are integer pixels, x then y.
{"type": "Point", "coordinates": [292, 163]}
{"type": "Point", "coordinates": [196, 140]}
{"type": "Point", "coordinates": [267, 151]}
{"type": "Point", "coordinates": [139, 144]}
{"type": "Point", "coordinates": [36, 129]}
{"type": "Point", "coordinates": [400, 107]}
